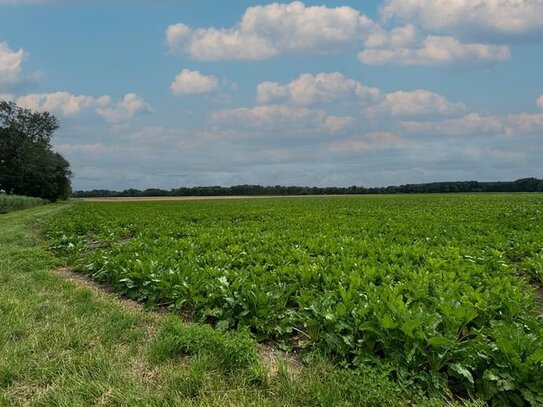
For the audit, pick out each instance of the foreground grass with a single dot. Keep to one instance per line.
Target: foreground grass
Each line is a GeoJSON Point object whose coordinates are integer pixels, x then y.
{"type": "Point", "coordinates": [67, 344]}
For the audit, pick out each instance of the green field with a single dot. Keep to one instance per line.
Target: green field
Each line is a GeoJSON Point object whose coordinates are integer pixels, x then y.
{"type": "Point", "coordinates": [436, 291]}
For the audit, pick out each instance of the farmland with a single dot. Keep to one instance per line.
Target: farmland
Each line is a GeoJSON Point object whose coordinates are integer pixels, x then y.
{"type": "Point", "coordinates": [439, 291]}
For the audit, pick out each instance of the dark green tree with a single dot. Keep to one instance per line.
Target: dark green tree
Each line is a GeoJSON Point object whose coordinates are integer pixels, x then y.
{"type": "Point", "coordinates": [28, 164]}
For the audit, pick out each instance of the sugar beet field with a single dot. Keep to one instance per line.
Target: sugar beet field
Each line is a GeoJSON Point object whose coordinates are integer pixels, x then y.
{"type": "Point", "coordinates": [439, 291]}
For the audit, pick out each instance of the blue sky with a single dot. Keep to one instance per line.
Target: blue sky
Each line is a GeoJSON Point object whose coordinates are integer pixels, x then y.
{"type": "Point", "coordinates": [181, 93]}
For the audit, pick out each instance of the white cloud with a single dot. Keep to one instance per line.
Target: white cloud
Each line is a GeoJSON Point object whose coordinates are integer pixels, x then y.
{"type": "Point", "coordinates": [264, 115]}
{"type": "Point", "coordinates": [11, 63]}
{"type": "Point", "coordinates": [274, 117]}
{"type": "Point", "coordinates": [474, 124]}
{"type": "Point", "coordinates": [539, 102]}
{"type": "Point", "coordinates": [210, 44]}
{"type": "Point", "coordinates": [69, 105]}
{"type": "Point", "coordinates": [267, 31]}
{"type": "Point", "coordinates": [309, 89]}
{"type": "Point", "coordinates": [7, 97]}
{"type": "Point", "coordinates": [523, 123]}
{"type": "Point", "coordinates": [477, 18]}
{"type": "Point", "coordinates": [191, 82]}
{"type": "Point", "coordinates": [418, 102]}
{"type": "Point", "coordinates": [61, 102]}
{"type": "Point", "coordinates": [131, 105]}
{"type": "Point", "coordinates": [432, 50]}
{"type": "Point", "coordinates": [398, 37]}
{"type": "Point", "coordinates": [274, 29]}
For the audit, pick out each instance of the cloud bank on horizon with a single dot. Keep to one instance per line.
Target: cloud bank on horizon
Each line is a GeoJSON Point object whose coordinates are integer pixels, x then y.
{"type": "Point", "coordinates": [284, 93]}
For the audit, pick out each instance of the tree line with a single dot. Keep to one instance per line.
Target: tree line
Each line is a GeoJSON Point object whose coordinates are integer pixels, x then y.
{"type": "Point", "coordinates": [520, 185]}
{"type": "Point", "coordinates": [28, 164]}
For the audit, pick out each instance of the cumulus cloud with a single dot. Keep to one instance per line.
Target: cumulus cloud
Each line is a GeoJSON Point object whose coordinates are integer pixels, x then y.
{"type": "Point", "coordinates": [11, 63]}
{"type": "Point", "coordinates": [127, 108]}
{"type": "Point", "coordinates": [192, 82]}
{"type": "Point", "coordinates": [68, 105]}
{"type": "Point", "coordinates": [418, 102]}
{"type": "Point", "coordinates": [328, 88]}
{"type": "Point", "coordinates": [392, 48]}
{"type": "Point", "coordinates": [262, 115]}
{"type": "Point", "coordinates": [273, 117]}
{"type": "Point", "coordinates": [309, 89]}
{"type": "Point", "coordinates": [267, 31]}
{"type": "Point", "coordinates": [61, 102]}
{"type": "Point", "coordinates": [475, 18]}
{"type": "Point", "coordinates": [274, 29]}
{"type": "Point", "coordinates": [539, 102]}
{"type": "Point", "coordinates": [399, 37]}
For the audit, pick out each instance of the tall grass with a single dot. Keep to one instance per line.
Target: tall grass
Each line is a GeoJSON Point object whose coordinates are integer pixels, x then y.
{"type": "Point", "coordinates": [9, 203]}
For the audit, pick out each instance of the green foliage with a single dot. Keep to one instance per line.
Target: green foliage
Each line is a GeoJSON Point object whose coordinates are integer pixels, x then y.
{"type": "Point", "coordinates": [10, 203]}
{"type": "Point", "coordinates": [28, 165]}
{"type": "Point", "coordinates": [431, 285]}
{"type": "Point", "coordinates": [230, 350]}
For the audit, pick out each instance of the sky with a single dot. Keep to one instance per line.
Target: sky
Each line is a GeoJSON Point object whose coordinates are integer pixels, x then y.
{"type": "Point", "coordinates": [171, 93]}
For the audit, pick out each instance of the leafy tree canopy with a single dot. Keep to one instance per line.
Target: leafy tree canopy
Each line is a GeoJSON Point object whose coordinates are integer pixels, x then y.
{"type": "Point", "coordinates": [28, 164]}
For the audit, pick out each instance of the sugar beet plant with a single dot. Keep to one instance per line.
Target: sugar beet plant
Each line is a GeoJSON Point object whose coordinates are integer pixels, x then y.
{"type": "Point", "coordinates": [441, 287]}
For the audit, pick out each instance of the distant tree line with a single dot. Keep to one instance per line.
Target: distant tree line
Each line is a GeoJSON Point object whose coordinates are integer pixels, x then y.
{"type": "Point", "coordinates": [28, 164]}
{"type": "Point", "coordinates": [520, 185]}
